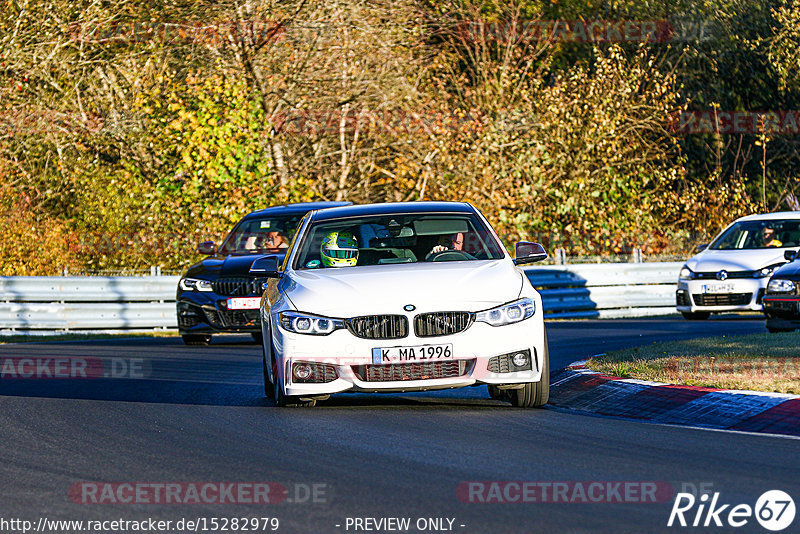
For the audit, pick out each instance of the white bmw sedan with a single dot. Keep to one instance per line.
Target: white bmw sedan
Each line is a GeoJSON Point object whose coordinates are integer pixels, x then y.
{"type": "Point", "coordinates": [401, 297]}
{"type": "Point", "coordinates": [731, 274]}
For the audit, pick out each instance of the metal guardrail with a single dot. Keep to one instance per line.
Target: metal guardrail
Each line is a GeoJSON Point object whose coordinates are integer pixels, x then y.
{"type": "Point", "coordinates": [606, 290]}
{"type": "Point", "coordinates": [30, 303]}
{"type": "Point", "coordinates": [87, 302]}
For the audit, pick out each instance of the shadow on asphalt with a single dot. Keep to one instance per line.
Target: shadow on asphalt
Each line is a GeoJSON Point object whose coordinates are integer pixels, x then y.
{"type": "Point", "coordinates": [209, 394]}
{"type": "Point", "coordinates": [220, 374]}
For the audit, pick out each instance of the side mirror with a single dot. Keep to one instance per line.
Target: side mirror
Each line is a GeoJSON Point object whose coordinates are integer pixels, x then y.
{"type": "Point", "coordinates": [266, 266]}
{"type": "Point", "coordinates": [790, 255]}
{"type": "Point", "coordinates": [701, 248]}
{"type": "Point", "coordinates": [207, 247]}
{"type": "Point", "coordinates": [528, 253]}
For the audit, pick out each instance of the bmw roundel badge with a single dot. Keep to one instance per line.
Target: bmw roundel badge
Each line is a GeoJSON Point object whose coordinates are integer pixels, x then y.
{"type": "Point", "coordinates": [409, 307]}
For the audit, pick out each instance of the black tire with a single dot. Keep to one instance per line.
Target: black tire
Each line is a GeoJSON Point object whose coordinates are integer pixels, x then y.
{"type": "Point", "coordinates": [283, 400]}
{"type": "Point", "coordinates": [696, 316]}
{"type": "Point", "coordinates": [196, 339]}
{"type": "Point", "coordinates": [536, 394]}
{"type": "Point", "coordinates": [773, 330]}
{"type": "Point", "coordinates": [269, 388]}
{"type": "Point", "coordinates": [258, 337]}
{"type": "Point", "coordinates": [496, 393]}
{"type": "Point", "coordinates": [275, 391]}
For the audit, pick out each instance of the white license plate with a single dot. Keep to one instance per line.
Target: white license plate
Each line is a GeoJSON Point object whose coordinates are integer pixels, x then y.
{"type": "Point", "coordinates": [416, 353]}
{"type": "Point", "coordinates": [244, 303]}
{"type": "Point", "coordinates": [718, 288]}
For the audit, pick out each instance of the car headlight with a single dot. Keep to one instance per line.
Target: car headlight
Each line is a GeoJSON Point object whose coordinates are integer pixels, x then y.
{"type": "Point", "coordinates": [513, 312]}
{"type": "Point", "coordinates": [780, 286]}
{"type": "Point", "coordinates": [686, 273]}
{"type": "Point", "coordinates": [305, 323]}
{"type": "Point", "coordinates": [766, 271]}
{"type": "Point", "coordinates": [194, 284]}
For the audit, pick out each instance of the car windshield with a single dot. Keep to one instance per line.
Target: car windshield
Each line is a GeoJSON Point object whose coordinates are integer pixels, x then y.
{"type": "Point", "coordinates": [747, 235]}
{"type": "Point", "coordinates": [261, 235]}
{"type": "Point", "coordinates": [396, 238]}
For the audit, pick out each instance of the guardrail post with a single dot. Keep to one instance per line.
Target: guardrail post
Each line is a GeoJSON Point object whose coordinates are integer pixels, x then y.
{"type": "Point", "coordinates": [637, 255]}
{"type": "Point", "coordinates": [561, 256]}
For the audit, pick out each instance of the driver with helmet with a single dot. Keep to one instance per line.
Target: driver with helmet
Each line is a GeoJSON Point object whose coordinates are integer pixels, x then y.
{"type": "Point", "coordinates": [339, 249]}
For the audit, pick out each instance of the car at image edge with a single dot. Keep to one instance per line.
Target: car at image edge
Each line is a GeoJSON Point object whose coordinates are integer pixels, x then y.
{"type": "Point", "coordinates": [731, 273]}
{"type": "Point", "coordinates": [401, 297]}
{"type": "Point", "coordinates": [782, 301]}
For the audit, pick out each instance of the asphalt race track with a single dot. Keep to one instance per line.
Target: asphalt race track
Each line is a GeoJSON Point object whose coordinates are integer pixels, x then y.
{"type": "Point", "coordinates": [198, 414]}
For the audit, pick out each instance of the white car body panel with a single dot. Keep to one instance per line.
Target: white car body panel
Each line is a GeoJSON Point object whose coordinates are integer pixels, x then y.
{"type": "Point", "coordinates": [732, 261]}
{"type": "Point", "coordinates": [463, 285]}
{"type": "Point", "coordinates": [469, 286]}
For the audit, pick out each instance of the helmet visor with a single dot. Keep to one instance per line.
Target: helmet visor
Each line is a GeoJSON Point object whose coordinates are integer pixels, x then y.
{"type": "Point", "coordinates": [342, 253]}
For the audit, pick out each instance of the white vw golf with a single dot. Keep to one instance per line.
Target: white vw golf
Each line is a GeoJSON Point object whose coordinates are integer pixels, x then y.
{"type": "Point", "coordinates": [401, 297]}
{"type": "Point", "coordinates": [731, 274]}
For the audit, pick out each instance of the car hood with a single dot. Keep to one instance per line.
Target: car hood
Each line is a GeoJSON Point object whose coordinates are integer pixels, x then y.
{"type": "Point", "coordinates": [790, 271]}
{"type": "Point", "coordinates": [235, 265]}
{"type": "Point", "coordinates": [383, 289]}
{"type": "Point", "coordinates": [735, 260]}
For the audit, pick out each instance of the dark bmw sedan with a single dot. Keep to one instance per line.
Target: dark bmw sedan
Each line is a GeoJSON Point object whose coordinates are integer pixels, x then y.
{"type": "Point", "coordinates": [218, 294]}
{"type": "Point", "coordinates": [782, 300]}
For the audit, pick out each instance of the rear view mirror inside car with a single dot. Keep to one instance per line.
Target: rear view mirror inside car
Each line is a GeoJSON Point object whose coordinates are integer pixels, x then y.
{"type": "Point", "coordinates": [440, 226]}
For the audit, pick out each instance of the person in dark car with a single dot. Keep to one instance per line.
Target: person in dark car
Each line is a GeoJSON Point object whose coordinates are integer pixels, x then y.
{"type": "Point", "coordinates": [274, 240]}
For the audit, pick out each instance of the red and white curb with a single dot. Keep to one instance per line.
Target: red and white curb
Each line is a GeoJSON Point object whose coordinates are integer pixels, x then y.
{"type": "Point", "coordinates": [578, 388]}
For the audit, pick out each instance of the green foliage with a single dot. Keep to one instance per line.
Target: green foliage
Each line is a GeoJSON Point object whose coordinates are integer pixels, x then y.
{"type": "Point", "coordinates": [121, 152]}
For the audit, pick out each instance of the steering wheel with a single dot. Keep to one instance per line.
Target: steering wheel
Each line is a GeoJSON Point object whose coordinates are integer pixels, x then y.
{"type": "Point", "coordinates": [449, 255]}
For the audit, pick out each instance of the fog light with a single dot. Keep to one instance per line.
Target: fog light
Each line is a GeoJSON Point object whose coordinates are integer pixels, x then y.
{"type": "Point", "coordinates": [520, 359]}
{"type": "Point", "coordinates": [302, 371]}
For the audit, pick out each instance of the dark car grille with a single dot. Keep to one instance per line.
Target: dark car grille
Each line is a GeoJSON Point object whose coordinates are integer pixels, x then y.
{"type": "Point", "coordinates": [731, 274]}
{"type": "Point", "coordinates": [238, 286]}
{"type": "Point", "coordinates": [399, 372]}
{"type": "Point", "coordinates": [188, 321]}
{"type": "Point", "coordinates": [188, 315]}
{"type": "Point", "coordinates": [228, 319]}
{"type": "Point", "coordinates": [722, 299]}
{"type": "Point", "coordinates": [785, 308]}
{"type": "Point", "coordinates": [682, 298]}
{"type": "Point", "coordinates": [441, 323]}
{"type": "Point", "coordinates": [378, 326]}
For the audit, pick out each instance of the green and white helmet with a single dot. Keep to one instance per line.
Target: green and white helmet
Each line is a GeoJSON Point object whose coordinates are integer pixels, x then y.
{"type": "Point", "coordinates": [339, 249]}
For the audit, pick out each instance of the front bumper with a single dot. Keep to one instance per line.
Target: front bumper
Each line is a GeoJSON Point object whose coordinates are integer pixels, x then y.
{"type": "Point", "coordinates": [351, 359]}
{"type": "Point", "coordinates": [206, 313]}
{"type": "Point", "coordinates": [782, 311]}
{"type": "Point", "coordinates": [740, 294]}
